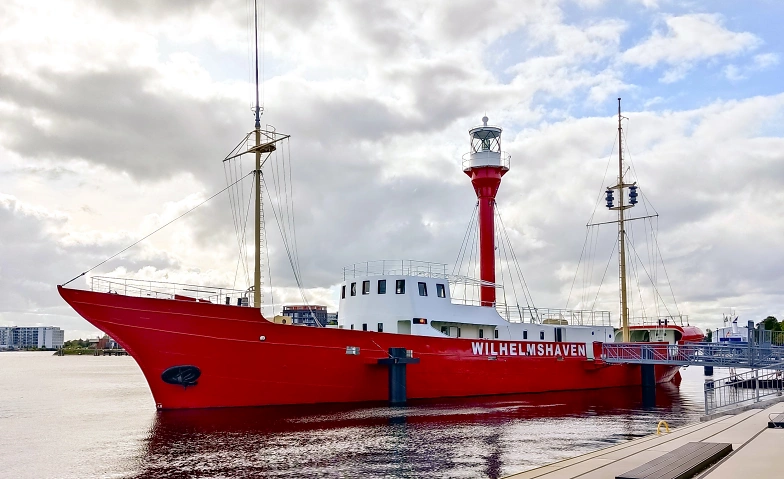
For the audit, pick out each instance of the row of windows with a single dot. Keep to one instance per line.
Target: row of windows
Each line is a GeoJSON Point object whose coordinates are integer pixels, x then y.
{"type": "Point", "coordinates": [365, 327]}
{"type": "Point", "coordinates": [400, 288]}
{"type": "Point", "coordinates": [445, 330]}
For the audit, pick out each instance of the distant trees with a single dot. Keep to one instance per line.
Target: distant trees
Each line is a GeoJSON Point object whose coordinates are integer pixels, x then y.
{"type": "Point", "coordinates": [76, 343]}
{"type": "Point", "coordinates": [708, 335]}
{"type": "Point", "coordinates": [769, 324]}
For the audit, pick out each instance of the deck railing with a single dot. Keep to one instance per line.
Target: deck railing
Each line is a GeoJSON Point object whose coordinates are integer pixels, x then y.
{"type": "Point", "coordinates": [515, 313]}
{"type": "Point", "coordinates": [407, 267]}
{"type": "Point", "coordinates": [694, 354]}
{"type": "Point", "coordinates": [677, 320]}
{"type": "Point", "coordinates": [742, 389]}
{"type": "Point", "coordinates": [392, 267]}
{"type": "Point", "coordinates": [164, 290]}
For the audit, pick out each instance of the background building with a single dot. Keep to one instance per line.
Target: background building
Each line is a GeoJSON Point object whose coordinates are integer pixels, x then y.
{"type": "Point", "coordinates": [6, 336]}
{"type": "Point", "coordinates": [307, 315]}
{"type": "Point", "coordinates": [49, 337]}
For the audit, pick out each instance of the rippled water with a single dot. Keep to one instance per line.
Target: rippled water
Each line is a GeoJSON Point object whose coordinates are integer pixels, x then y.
{"type": "Point", "coordinates": [77, 416]}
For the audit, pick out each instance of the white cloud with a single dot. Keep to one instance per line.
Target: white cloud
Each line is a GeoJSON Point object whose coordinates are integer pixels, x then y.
{"type": "Point", "coordinates": [766, 60]}
{"type": "Point", "coordinates": [761, 62]}
{"type": "Point", "coordinates": [689, 39]}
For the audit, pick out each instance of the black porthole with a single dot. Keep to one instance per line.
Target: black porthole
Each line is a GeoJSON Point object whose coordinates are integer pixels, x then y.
{"type": "Point", "coordinates": [181, 375]}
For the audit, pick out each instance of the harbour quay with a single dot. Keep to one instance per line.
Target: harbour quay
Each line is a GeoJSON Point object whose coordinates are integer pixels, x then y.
{"type": "Point", "coordinates": [755, 437]}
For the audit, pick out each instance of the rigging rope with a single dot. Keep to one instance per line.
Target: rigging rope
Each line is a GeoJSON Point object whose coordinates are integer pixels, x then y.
{"type": "Point", "coordinates": [593, 306]}
{"type": "Point", "coordinates": [240, 259]}
{"type": "Point", "coordinates": [529, 300]}
{"type": "Point", "coordinates": [654, 286]}
{"type": "Point", "coordinates": [147, 236]}
{"type": "Point", "coordinates": [289, 254]}
{"type": "Point", "coordinates": [636, 273]}
{"type": "Point", "coordinates": [585, 241]}
{"type": "Point", "coordinates": [461, 254]}
{"type": "Point", "coordinates": [464, 243]}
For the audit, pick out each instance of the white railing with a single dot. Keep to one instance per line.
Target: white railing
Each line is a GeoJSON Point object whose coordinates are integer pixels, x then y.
{"type": "Point", "coordinates": [504, 161]}
{"type": "Point", "coordinates": [163, 290]}
{"type": "Point", "coordinates": [407, 267]}
{"type": "Point", "coordinates": [743, 389]}
{"type": "Point", "coordinates": [395, 267]}
{"type": "Point", "coordinates": [660, 321]}
{"type": "Point", "coordinates": [514, 313]}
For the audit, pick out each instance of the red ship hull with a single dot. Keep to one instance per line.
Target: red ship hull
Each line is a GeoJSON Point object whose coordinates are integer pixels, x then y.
{"type": "Point", "coordinates": [246, 360]}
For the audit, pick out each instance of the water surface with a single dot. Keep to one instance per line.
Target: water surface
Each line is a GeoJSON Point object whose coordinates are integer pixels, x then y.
{"type": "Point", "coordinates": [85, 416]}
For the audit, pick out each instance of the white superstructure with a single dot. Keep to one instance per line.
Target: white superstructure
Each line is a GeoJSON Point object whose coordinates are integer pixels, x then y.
{"type": "Point", "coordinates": [410, 297]}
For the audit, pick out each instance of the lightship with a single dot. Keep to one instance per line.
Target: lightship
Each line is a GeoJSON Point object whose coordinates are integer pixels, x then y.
{"type": "Point", "coordinates": [202, 347]}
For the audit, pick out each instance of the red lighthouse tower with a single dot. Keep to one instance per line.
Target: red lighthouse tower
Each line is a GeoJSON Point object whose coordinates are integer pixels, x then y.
{"type": "Point", "coordinates": [485, 164]}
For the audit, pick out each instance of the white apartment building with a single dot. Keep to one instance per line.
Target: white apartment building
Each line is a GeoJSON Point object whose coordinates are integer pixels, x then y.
{"type": "Point", "coordinates": [50, 337]}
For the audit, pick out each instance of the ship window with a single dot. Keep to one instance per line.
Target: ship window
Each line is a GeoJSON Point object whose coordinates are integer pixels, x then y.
{"type": "Point", "coordinates": [343, 292]}
{"type": "Point", "coordinates": [440, 290]}
{"type": "Point", "coordinates": [458, 332]}
{"type": "Point", "coordinates": [445, 330]}
{"type": "Point", "coordinates": [481, 333]}
{"type": "Point", "coordinates": [352, 326]}
{"type": "Point", "coordinates": [353, 289]}
{"type": "Point", "coordinates": [541, 335]}
{"type": "Point", "coordinates": [400, 286]}
{"type": "Point", "coordinates": [382, 286]}
{"type": "Point", "coordinates": [364, 326]}
{"type": "Point", "coordinates": [366, 287]}
{"type": "Point", "coordinates": [422, 289]}
{"type": "Point", "coordinates": [525, 334]}
{"type": "Point", "coordinates": [496, 334]}
{"type": "Point", "coordinates": [380, 327]}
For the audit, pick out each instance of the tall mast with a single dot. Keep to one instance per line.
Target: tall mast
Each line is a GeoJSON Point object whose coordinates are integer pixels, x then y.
{"type": "Point", "coordinates": [257, 255]}
{"type": "Point", "coordinates": [622, 232]}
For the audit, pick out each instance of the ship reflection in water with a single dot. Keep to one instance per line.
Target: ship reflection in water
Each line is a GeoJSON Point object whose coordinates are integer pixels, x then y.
{"type": "Point", "coordinates": [467, 437]}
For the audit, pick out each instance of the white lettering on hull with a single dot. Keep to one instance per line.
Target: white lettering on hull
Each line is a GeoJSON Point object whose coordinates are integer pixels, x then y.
{"type": "Point", "coordinates": [545, 350]}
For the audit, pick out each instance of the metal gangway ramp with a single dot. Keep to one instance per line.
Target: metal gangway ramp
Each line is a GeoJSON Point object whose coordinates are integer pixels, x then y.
{"type": "Point", "coordinates": [744, 355]}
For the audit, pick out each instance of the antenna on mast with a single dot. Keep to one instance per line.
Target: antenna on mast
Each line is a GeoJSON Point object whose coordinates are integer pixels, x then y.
{"type": "Point", "coordinates": [256, 41]}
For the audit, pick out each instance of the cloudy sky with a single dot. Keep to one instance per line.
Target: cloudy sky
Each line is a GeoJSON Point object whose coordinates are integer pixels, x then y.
{"type": "Point", "coordinates": [115, 116]}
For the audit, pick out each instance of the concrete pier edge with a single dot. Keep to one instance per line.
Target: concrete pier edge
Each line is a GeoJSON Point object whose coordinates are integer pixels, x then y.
{"type": "Point", "coordinates": [739, 426]}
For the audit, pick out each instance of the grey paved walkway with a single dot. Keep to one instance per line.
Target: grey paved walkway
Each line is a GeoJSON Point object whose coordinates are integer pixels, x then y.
{"type": "Point", "coordinates": [754, 449]}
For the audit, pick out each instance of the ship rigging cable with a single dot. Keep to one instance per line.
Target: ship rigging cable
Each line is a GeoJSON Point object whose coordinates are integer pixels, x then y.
{"type": "Point", "coordinates": [589, 232]}
{"type": "Point", "coordinates": [157, 230]}
{"type": "Point", "coordinates": [279, 191]}
{"type": "Point", "coordinates": [529, 300]}
{"type": "Point", "coordinates": [650, 227]}
{"type": "Point", "coordinates": [508, 267]}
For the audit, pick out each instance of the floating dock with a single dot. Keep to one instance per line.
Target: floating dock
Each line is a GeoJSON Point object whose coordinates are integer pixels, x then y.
{"type": "Point", "coordinates": [755, 450]}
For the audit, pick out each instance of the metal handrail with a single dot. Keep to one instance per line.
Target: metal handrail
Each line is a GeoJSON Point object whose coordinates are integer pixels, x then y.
{"type": "Point", "coordinates": [505, 160]}
{"type": "Point", "coordinates": [165, 290]}
{"type": "Point", "coordinates": [515, 313]}
{"type": "Point", "coordinates": [677, 320]}
{"type": "Point", "coordinates": [744, 388]}
{"type": "Point", "coordinates": [421, 269]}
{"type": "Point", "coordinates": [694, 354]}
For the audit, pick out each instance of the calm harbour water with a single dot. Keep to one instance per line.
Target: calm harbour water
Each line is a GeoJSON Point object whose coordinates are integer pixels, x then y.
{"type": "Point", "coordinates": [84, 416]}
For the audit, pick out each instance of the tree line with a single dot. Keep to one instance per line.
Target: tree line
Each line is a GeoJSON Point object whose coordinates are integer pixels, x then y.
{"type": "Point", "coordinates": [76, 344]}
